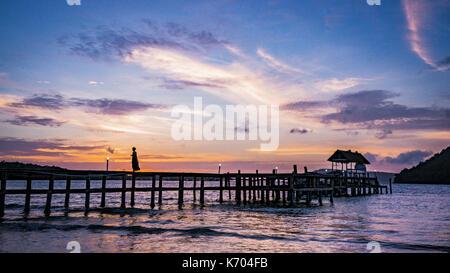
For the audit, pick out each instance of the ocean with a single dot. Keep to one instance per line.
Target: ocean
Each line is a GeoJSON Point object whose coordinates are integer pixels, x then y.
{"type": "Point", "coordinates": [415, 218]}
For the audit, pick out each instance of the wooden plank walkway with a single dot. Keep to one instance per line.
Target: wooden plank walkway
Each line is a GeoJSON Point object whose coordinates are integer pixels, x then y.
{"type": "Point", "coordinates": [263, 188]}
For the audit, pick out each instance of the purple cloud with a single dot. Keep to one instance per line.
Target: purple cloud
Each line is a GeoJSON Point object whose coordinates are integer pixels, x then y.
{"type": "Point", "coordinates": [113, 106]}
{"type": "Point", "coordinates": [33, 120]}
{"type": "Point", "coordinates": [299, 131]}
{"type": "Point", "coordinates": [10, 146]}
{"type": "Point", "coordinates": [301, 106]}
{"type": "Point", "coordinates": [44, 101]}
{"type": "Point", "coordinates": [412, 157]}
{"type": "Point", "coordinates": [106, 43]}
{"type": "Point", "coordinates": [369, 106]}
{"type": "Point", "coordinates": [100, 106]}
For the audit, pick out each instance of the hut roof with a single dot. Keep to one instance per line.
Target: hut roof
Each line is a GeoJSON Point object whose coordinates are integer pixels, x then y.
{"type": "Point", "coordinates": [347, 157]}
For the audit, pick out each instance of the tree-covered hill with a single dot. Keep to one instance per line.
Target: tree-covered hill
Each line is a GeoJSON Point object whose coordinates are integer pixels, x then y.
{"type": "Point", "coordinates": [435, 170]}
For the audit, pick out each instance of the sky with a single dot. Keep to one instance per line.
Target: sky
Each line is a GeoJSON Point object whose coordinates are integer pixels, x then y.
{"type": "Point", "coordinates": [81, 81]}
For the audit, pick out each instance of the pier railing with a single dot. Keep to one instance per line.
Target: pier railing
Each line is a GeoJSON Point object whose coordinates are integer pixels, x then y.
{"type": "Point", "coordinates": [242, 188]}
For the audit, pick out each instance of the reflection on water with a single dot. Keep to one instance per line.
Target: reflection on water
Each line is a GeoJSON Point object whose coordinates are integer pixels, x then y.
{"type": "Point", "coordinates": [414, 218]}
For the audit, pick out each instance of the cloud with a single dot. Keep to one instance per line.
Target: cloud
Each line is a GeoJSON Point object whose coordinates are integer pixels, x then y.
{"type": "Point", "coordinates": [113, 106]}
{"type": "Point", "coordinates": [182, 84]}
{"type": "Point", "coordinates": [415, 11]}
{"type": "Point", "coordinates": [100, 106]}
{"type": "Point", "coordinates": [10, 146]}
{"type": "Point", "coordinates": [383, 133]}
{"type": "Point", "coordinates": [301, 106]}
{"type": "Point", "coordinates": [335, 84]}
{"type": "Point", "coordinates": [45, 101]}
{"type": "Point", "coordinates": [299, 131]}
{"type": "Point", "coordinates": [372, 109]}
{"type": "Point", "coordinates": [412, 157]}
{"type": "Point", "coordinates": [371, 157]}
{"type": "Point", "coordinates": [274, 63]}
{"type": "Point", "coordinates": [95, 83]}
{"type": "Point", "coordinates": [445, 61]}
{"type": "Point", "coordinates": [110, 149]}
{"type": "Point", "coordinates": [233, 82]}
{"type": "Point", "coordinates": [107, 43]}
{"type": "Point", "coordinates": [33, 120]}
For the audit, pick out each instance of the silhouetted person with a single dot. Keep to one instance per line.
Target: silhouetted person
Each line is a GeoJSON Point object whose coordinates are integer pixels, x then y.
{"type": "Point", "coordinates": [134, 160]}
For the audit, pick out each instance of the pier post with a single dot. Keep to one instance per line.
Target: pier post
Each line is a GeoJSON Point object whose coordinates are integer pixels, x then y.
{"type": "Point", "coordinates": [244, 188]}
{"type": "Point", "coordinates": [194, 192]}
{"type": "Point", "coordinates": [202, 190]}
{"type": "Point", "coordinates": [291, 190]}
{"type": "Point", "coordinates": [152, 202]}
{"type": "Point", "coordinates": [221, 190]}
{"type": "Point", "coordinates": [228, 183]}
{"type": "Point", "coordinates": [320, 198]}
{"type": "Point", "coordinates": [293, 180]}
{"type": "Point", "coordinates": [278, 191]}
{"type": "Point", "coordinates": [332, 191]}
{"type": "Point", "coordinates": [124, 191]}
{"type": "Point", "coordinates": [272, 185]}
{"type": "Point", "coordinates": [258, 182]}
{"type": "Point", "coordinates": [28, 195]}
{"type": "Point", "coordinates": [48, 202]}
{"type": "Point", "coordinates": [250, 188]}
{"type": "Point", "coordinates": [284, 191]}
{"type": "Point", "coordinates": [262, 189]}
{"type": "Point", "coordinates": [103, 199]}
{"type": "Point", "coordinates": [87, 195]}
{"type": "Point", "coordinates": [2, 194]}
{"type": "Point", "coordinates": [308, 193]}
{"type": "Point", "coordinates": [254, 188]}
{"type": "Point", "coordinates": [390, 185]}
{"type": "Point", "coordinates": [160, 190]}
{"type": "Point", "coordinates": [133, 188]}
{"type": "Point", "coordinates": [238, 187]}
{"type": "Point", "coordinates": [358, 185]}
{"type": "Point", "coordinates": [297, 195]}
{"type": "Point", "coordinates": [180, 192]}
{"type": "Point", "coordinates": [67, 196]}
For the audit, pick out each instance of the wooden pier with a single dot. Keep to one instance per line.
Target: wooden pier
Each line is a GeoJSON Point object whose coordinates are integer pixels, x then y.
{"type": "Point", "coordinates": [268, 189]}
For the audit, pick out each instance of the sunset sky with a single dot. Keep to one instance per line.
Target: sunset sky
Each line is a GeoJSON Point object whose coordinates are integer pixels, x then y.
{"type": "Point", "coordinates": [79, 83]}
